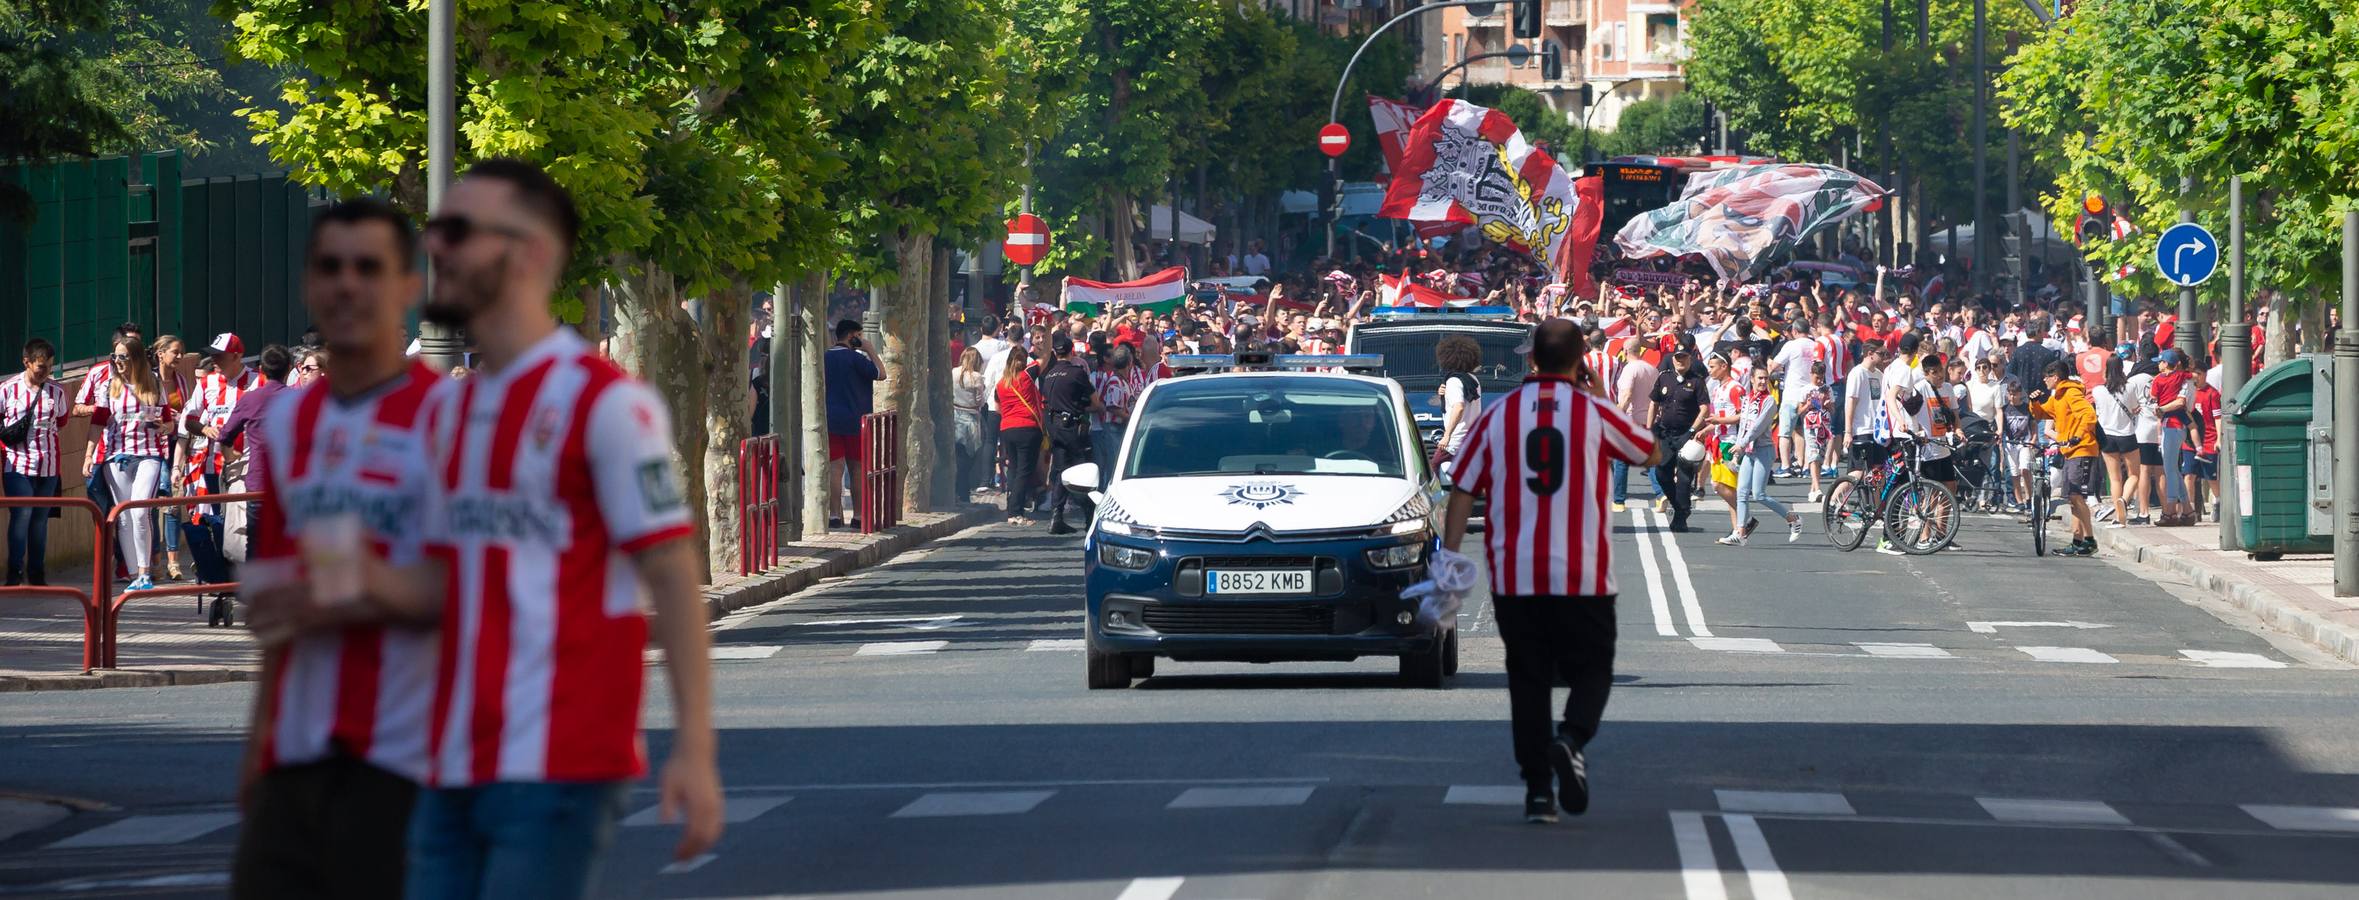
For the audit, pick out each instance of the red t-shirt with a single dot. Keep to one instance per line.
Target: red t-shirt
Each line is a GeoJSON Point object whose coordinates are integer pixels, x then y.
{"type": "Point", "coordinates": [2090, 364]}
{"type": "Point", "coordinates": [2207, 412]}
{"type": "Point", "coordinates": [1019, 403]}
{"type": "Point", "coordinates": [2167, 387]}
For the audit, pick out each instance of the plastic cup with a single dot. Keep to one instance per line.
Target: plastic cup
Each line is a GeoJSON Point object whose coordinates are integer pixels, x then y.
{"type": "Point", "coordinates": [331, 549]}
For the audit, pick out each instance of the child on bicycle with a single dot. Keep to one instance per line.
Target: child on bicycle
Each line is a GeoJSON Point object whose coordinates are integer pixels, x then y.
{"type": "Point", "coordinates": [2065, 403]}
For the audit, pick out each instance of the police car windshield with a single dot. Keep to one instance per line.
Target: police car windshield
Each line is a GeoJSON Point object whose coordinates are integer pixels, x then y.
{"type": "Point", "coordinates": [1408, 357]}
{"type": "Point", "coordinates": [1266, 426]}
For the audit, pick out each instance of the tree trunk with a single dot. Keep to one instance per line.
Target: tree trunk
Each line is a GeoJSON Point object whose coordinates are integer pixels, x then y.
{"type": "Point", "coordinates": [1121, 232]}
{"type": "Point", "coordinates": [942, 489]}
{"type": "Point", "coordinates": [655, 341]}
{"type": "Point", "coordinates": [904, 358]}
{"type": "Point", "coordinates": [728, 419]}
{"type": "Point", "coordinates": [786, 394]}
{"type": "Point", "coordinates": [810, 314]}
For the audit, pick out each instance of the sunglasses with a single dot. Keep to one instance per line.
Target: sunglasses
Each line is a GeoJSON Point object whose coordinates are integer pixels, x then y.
{"type": "Point", "coordinates": [455, 230]}
{"type": "Point", "coordinates": [332, 266]}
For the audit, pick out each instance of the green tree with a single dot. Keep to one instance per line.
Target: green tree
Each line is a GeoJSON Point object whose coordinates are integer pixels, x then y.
{"type": "Point", "coordinates": [1670, 126]}
{"type": "Point", "coordinates": [2136, 95]}
{"type": "Point", "coordinates": [86, 77]}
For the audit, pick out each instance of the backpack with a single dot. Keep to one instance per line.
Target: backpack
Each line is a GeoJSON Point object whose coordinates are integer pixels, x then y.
{"type": "Point", "coordinates": [1468, 387]}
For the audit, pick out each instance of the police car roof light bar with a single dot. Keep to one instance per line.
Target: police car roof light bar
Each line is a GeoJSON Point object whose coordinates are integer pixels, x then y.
{"type": "Point", "coordinates": [1388, 312]}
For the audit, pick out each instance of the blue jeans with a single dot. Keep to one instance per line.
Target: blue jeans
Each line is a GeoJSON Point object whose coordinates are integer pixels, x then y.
{"type": "Point", "coordinates": [1752, 484]}
{"type": "Point", "coordinates": [523, 840]}
{"type": "Point", "coordinates": [1105, 443]}
{"type": "Point", "coordinates": [1621, 475]}
{"type": "Point", "coordinates": [28, 528]}
{"type": "Point", "coordinates": [2174, 464]}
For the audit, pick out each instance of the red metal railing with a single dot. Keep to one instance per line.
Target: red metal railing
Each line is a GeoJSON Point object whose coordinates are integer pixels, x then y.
{"type": "Point", "coordinates": [757, 504]}
{"type": "Point", "coordinates": [93, 620]}
{"type": "Point", "coordinates": [880, 472]}
{"type": "Point", "coordinates": [113, 609]}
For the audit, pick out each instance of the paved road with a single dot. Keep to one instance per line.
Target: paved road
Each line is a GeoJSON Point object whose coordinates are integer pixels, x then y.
{"type": "Point", "coordinates": [1790, 721]}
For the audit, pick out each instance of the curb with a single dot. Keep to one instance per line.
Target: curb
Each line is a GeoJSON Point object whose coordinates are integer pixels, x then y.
{"type": "Point", "coordinates": [798, 572]}
{"type": "Point", "coordinates": [2279, 612]}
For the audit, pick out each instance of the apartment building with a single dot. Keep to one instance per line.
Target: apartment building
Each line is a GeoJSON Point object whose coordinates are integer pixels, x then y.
{"type": "Point", "coordinates": [1625, 50]}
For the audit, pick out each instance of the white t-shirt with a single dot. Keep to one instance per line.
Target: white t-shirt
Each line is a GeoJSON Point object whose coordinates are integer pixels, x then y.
{"type": "Point", "coordinates": [2148, 423]}
{"type": "Point", "coordinates": [1256, 264]}
{"type": "Point", "coordinates": [994, 353]}
{"type": "Point", "coordinates": [1863, 397]}
{"type": "Point", "coordinates": [2118, 415]}
{"type": "Point", "coordinates": [1453, 398]}
{"type": "Point", "coordinates": [1794, 359]}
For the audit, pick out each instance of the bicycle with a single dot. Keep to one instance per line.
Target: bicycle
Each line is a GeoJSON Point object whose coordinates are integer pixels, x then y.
{"type": "Point", "coordinates": [2039, 506]}
{"type": "Point", "coordinates": [1920, 516]}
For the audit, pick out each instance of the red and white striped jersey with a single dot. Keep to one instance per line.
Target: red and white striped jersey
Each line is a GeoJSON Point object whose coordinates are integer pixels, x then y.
{"type": "Point", "coordinates": [554, 472]}
{"type": "Point", "coordinates": [1607, 363]}
{"type": "Point", "coordinates": [362, 691]}
{"type": "Point", "coordinates": [1834, 350]}
{"type": "Point", "coordinates": [1539, 455]}
{"type": "Point", "coordinates": [37, 455]}
{"type": "Point", "coordinates": [215, 398]}
{"type": "Point", "coordinates": [94, 384]}
{"type": "Point", "coordinates": [134, 427]}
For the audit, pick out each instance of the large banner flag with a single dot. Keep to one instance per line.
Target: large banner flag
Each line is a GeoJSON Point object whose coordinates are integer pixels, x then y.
{"type": "Point", "coordinates": [1469, 164]}
{"type": "Point", "coordinates": [1581, 248]}
{"type": "Point", "coordinates": [1160, 292]}
{"type": "Point", "coordinates": [1393, 119]}
{"type": "Point", "coordinates": [1739, 218]}
{"type": "Point", "coordinates": [1413, 294]}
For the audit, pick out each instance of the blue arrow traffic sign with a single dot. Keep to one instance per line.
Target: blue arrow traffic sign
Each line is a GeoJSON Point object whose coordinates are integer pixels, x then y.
{"type": "Point", "coordinates": [2187, 254]}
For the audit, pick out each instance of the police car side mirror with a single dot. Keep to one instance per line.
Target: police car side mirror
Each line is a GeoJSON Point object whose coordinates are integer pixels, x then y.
{"type": "Point", "coordinates": [1082, 477]}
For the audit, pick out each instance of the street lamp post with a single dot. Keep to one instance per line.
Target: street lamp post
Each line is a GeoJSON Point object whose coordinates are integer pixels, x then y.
{"type": "Point", "coordinates": [438, 343]}
{"type": "Point", "coordinates": [1592, 110]}
{"type": "Point", "coordinates": [1335, 105]}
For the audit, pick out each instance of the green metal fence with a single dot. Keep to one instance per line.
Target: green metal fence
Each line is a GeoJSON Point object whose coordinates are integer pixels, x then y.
{"type": "Point", "coordinates": [116, 239]}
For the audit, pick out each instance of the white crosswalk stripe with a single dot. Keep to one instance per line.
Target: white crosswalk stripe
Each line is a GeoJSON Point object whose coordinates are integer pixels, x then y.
{"type": "Point", "coordinates": [900, 648]}
{"type": "Point", "coordinates": [973, 803]}
{"type": "Point", "coordinates": [1484, 795]}
{"type": "Point", "coordinates": [1737, 645]}
{"type": "Point", "coordinates": [1905, 651]}
{"type": "Point", "coordinates": [1222, 797]}
{"type": "Point", "coordinates": [2218, 659]}
{"type": "Point", "coordinates": [2067, 655]}
{"type": "Point", "coordinates": [144, 831]}
{"type": "Point", "coordinates": [1057, 645]}
{"type": "Point", "coordinates": [734, 810]}
{"type": "Point", "coordinates": [2305, 818]}
{"type": "Point", "coordinates": [2083, 812]}
{"type": "Point", "coordinates": [1783, 802]}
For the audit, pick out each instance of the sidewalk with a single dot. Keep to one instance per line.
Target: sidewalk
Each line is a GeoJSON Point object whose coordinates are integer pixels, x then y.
{"type": "Point", "coordinates": [2294, 595]}
{"type": "Point", "coordinates": [165, 641]}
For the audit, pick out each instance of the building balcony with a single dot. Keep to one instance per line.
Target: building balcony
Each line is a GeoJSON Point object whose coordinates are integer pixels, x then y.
{"type": "Point", "coordinates": [1565, 14]}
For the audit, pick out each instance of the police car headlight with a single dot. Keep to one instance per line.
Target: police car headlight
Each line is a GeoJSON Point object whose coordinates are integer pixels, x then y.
{"type": "Point", "coordinates": [1109, 526]}
{"type": "Point", "coordinates": [1412, 526]}
{"type": "Point", "coordinates": [1121, 557]}
{"type": "Point", "coordinates": [1397, 556]}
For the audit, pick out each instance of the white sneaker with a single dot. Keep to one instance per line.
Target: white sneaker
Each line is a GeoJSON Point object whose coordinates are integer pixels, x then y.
{"type": "Point", "coordinates": [1817, 495]}
{"type": "Point", "coordinates": [1734, 539]}
{"type": "Point", "coordinates": [2104, 512]}
{"type": "Point", "coordinates": [1794, 530]}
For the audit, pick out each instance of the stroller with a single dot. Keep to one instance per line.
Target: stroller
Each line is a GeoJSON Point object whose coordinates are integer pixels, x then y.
{"type": "Point", "coordinates": [1981, 482]}
{"type": "Point", "coordinates": [201, 537]}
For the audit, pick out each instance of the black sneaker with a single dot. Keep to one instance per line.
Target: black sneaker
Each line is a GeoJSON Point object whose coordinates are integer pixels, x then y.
{"type": "Point", "coordinates": [1572, 775]}
{"type": "Point", "coordinates": [1539, 808]}
{"type": "Point", "coordinates": [1059, 527]}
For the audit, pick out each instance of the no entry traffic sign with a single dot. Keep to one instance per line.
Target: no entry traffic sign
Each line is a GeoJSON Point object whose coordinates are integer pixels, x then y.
{"type": "Point", "coordinates": [1027, 240]}
{"type": "Point", "coordinates": [1334, 139]}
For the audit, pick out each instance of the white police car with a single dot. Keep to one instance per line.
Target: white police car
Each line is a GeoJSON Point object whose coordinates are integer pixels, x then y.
{"type": "Point", "coordinates": [1272, 509]}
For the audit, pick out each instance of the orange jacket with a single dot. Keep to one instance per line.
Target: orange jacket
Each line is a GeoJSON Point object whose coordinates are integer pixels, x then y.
{"type": "Point", "coordinates": [2076, 420]}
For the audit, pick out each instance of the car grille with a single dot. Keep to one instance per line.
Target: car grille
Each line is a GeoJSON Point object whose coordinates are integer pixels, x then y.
{"type": "Point", "coordinates": [1239, 619]}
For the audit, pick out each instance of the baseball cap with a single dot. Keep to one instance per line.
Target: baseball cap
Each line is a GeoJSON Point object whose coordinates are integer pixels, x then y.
{"type": "Point", "coordinates": [1060, 344]}
{"type": "Point", "coordinates": [2171, 356]}
{"type": "Point", "coordinates": [227, 342]}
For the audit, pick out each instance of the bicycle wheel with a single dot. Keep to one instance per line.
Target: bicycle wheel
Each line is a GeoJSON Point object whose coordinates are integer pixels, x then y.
{"type": "Point", "coordinates": [1846, 513]}
{"type": "Point", "coordinates": [2036, 510]}
{"type": "Point", "coordinates": [1921, 518]}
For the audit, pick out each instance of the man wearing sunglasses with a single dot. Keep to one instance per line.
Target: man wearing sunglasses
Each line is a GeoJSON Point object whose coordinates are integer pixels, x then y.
{"type": "Point", "coordinates": [337, 742]}
{"type": "Point", "coordinates": [560, 515]}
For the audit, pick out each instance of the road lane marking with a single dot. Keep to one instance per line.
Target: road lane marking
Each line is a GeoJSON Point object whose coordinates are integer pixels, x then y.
{"type": "Point", "coordinates": [734, 810]}
{"type": "Point", "coordinates": [1993, 627]}
{"type": "Point", "coordinates": [1484, 795]}
{"type": "Point", "coordinates": [900, 648]}
{"type": "Point", "coordinates": [2171, 847]}
{"type": "Point", "coordinates": [2067, 655]}
{"type": "Point", "coordinates": [84, 885]}
{"type": "Point", "coordinates": [997, 785]}
{"type": "Point", "coordinates": [1783, 802]}
{"type": "Point", "coordinates": [1151, 889]}
{"type": "Point", "coordinates": [1699, 867]}
{"type": "Point", "coordinates": [972, 803]}
{"type": "Point", "coordinates": [1688, 603]}
{"type": "Point", "coordinates": [1656, 601]}
{"type": "Point", "coordinates": [1752, 850]}
{"type": "Point", "coordinates": [2219, 659]}
{"type": "Point", "coordinates": [1226, 797]}
{"type": "Point", "coordinates": [1057, 644]}
{"type": "Point", "coordinates": [2086, 812]}
{"type": "Point", "coordinates": [143, 831]}
{"type": "Point", "coordinates": [921, 623]}
{"type": "Point", "coordinates": [1738, 645]}
{"type": "Point", "coordinates": [690, 864]}
{"type": "Point", "coordinates": [745, 651]}
{"type": "Point", "coordinates": [1904, 651]}
{"type": "Point", "coordinates": [2305, 818]}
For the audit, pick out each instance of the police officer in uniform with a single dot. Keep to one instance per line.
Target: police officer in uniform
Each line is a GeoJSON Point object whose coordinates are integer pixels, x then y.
{"type": "Point", "coordinates": [1070, 398]}
{"type": "Point", "coordinates": [1679, 402]}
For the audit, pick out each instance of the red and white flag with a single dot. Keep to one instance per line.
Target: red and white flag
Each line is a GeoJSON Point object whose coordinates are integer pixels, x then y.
{"type": "Point", "coordinates": [1469, 164]}
{"type": "Point", "coordinates": [1393, 119]}
{"type": "Point", "coordinates": [1420, 295]}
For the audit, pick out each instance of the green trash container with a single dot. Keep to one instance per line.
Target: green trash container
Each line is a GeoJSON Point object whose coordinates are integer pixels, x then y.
{"type": "Point", "coordinates": [2277, 419]}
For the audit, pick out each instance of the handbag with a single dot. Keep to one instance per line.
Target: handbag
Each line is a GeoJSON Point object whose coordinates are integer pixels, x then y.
{"type": "Point", "coordinates": [14, 433]}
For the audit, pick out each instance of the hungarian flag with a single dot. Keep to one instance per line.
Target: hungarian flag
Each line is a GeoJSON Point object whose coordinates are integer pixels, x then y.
{"type": "Point", "coordinates": [1469, 164]}
{"type": "Point", "coordinates": [1159, 293]}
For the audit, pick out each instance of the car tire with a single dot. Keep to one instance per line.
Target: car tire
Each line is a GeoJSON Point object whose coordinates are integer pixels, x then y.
{"type": "Point", "coordinates": [1424, 670]}
{"type": "Point", "coordinates": [1108, 671]}
{"type": "Point", "coordinates": [1450, 654]}
{"type": "Point", "coordinates": [1142, 665]}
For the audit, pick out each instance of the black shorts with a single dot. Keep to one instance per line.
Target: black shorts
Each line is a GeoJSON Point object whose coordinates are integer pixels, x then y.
{"type": "Point", "coordinates": [2078, 477]}
{"type": "Point", "coordinates": [1944, 470]}
{"type": "Point", "coordinates": [334, 828]}
{"type": "Point", "coordinates": [1867, 453]}
{"type": "Point", "coordinates": [2204, 468]}
{"type": "Point", "coordinates": [2127, 443]}
{"type": "Point", "coordinates": [2150, 454]}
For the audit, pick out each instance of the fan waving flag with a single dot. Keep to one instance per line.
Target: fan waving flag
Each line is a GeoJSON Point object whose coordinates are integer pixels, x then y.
{"type": "Point", "coordinates": [1739, 218]}
{"type": "Point", "coordinates": [1392, 118]}
{"type": "Point", "coordinates": [1160, 292]}
{"type": "Point", "coordinates": [1420, 295]}
{"type": "Point", "coordinates": [1469, 164]}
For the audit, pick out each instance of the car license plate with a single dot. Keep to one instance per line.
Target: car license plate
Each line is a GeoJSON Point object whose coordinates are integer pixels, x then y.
{"type": "Point", "coordinates": [1258, 581]}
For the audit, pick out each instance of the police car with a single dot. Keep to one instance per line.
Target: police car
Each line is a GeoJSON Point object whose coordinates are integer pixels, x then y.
{"type": "Point", "coordinates": [1405, 336]}
{"type": "Point", "coordinates": [1264, 509]}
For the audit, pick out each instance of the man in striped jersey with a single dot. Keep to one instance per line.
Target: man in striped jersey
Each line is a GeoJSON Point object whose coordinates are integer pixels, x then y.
{"type": "Point", "coordinates": [29, 468]}
{"type": "Point", "coordinates": [337, 741]}
{"type": "Point", "coordinates": [559, 517]}
{"type": "Point", "coordinates": [1539, 456]}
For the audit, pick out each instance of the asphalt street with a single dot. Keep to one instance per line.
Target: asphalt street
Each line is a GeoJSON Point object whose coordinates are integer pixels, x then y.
{"type": "Point", "coordinates": [1788, 721]}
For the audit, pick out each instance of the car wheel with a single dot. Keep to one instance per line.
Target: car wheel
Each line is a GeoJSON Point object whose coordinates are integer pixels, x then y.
{"type": "Point", "coordinates": [1108, 671]}
{"type": "Point", "coordinates": [1423, 670]}
{"type": "Point", "coordinates": [1450, 654]}
{"type": "Point", "coordinates": [1142, 665]}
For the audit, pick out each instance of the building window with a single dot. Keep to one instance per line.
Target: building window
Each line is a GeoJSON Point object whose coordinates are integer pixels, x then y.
{"type": "Point", "coordinates": [1620, 44]}
{"type": "Point", "coordinates": [1662, 36]}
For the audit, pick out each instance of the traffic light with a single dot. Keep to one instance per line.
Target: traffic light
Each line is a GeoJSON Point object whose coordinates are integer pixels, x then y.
{"type": "Point", "coordinates": [1331, 199]}
{"type": "Point", "coordinates": [1527, 18]}
{"type": "Point", "coordinates": [1552, 62]}
{"type": "Point", "coordinates": [2096, 219]}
